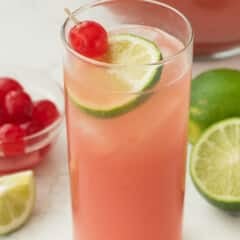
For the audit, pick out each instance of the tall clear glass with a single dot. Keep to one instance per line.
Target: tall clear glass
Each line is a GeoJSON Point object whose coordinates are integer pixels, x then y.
{"type": "Point", "coordinates": [127, 163]}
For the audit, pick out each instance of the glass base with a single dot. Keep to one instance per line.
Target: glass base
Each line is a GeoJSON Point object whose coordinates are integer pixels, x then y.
{"type": "Point", "coordinates": [219, 55]}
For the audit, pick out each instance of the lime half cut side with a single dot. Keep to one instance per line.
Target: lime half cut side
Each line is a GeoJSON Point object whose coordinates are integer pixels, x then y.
{"type": "Point", "coordinates": [215, 164]}
{"type": "Point", "coordinates": [17, 195]}
{"type": "Point", "coordinates": [133, 75]}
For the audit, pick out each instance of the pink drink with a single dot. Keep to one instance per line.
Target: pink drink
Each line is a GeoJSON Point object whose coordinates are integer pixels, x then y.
{"type": "Point", "coordinates": [127, 172]}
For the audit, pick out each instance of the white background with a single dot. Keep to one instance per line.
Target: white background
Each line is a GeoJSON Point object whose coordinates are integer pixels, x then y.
{"type": "Point", "coordinates": [29, 36]}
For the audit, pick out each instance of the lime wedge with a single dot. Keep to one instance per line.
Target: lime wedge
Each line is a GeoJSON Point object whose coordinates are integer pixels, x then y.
{"type": "Point", "coordinates": [133, 77]}
{"type": "Point", "coordinates": [215, 164]}
{"type": "Point", "coordinates": [17, 194]}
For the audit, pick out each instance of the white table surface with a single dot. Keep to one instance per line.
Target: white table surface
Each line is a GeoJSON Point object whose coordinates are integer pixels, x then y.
{"type": "Point", "coordinates": [30, 36]}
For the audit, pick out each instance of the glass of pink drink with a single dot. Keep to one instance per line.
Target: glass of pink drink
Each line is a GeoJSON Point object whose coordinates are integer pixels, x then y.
{"type": "Point", "coordinates": [127, 167]}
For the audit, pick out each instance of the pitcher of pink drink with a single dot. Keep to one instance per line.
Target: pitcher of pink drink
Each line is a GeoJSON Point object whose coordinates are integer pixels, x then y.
{"type": "Point", "coordinates": [214, 24]}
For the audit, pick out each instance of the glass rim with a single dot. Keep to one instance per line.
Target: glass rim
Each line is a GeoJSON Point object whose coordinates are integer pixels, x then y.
{"type": "Point", "coordinates": [110, 65]}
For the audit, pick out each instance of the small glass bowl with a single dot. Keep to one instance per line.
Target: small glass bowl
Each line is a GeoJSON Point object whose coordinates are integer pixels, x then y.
{"type": "Point", "coordinates": [39, 85]}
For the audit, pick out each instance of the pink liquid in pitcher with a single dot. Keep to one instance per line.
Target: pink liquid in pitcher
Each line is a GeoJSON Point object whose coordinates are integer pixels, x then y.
{"type": "Point", "coordinates": [215, 23]}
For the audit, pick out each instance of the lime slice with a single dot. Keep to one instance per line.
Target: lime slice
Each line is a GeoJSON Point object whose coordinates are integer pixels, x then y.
{"type": "Point", "coordinates": [215, 96]}
{"type": "Point", "coordinates": [17, 194]}
{"type": "Point", "coordinates": [215, 164]}
{"type": "Point", "coordinates": [133, 77]}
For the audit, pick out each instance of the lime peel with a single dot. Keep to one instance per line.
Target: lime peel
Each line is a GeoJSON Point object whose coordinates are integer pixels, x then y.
{"type": "Point", "coordinates": [214, 97]}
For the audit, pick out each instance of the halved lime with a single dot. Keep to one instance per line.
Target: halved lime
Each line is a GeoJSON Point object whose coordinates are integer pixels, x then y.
{"type": "Point", "coordinates": [215, 164]}
{"type": "Point", "coordinates": [132, 52]}
{"type": "Point", "coordinates": [17, 194]}
{"type": "Point", "coordinates": [215, 96]}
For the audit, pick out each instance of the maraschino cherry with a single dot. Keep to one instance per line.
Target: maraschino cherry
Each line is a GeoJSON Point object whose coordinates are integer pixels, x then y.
{"type": "Point", "coordinates": [88, 38]}
{"type": "Point", "coordinates": [45, 113]}
{"type": "Point", "coordinates": [11, 139]}
{"type": "Point", "coordinates": [19, 106]}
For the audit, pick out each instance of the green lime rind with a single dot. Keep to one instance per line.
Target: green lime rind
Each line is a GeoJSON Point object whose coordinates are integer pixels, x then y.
{"type": "Point", "coordinates": [137, 98]}
{"type": "Point", "coordinates": [227, 205]}
{"type": "Point", "coordinates": [117, 110]}
{"type": "Point", "coordinates": [215, 96]}
{"type": "Point", "coordinates": [219, 174]}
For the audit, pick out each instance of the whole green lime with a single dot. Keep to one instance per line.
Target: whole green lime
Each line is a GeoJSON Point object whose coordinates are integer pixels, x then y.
{"type": "Point", "coordinates": [215, 96]}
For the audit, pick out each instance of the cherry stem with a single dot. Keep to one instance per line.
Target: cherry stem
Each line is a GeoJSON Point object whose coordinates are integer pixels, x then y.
{"type": "Point", "coordinates": [71, 16]}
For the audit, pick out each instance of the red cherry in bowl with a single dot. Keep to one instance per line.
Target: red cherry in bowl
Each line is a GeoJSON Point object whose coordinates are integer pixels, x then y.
{"type": "Point", "coordinates": [6, 85]}
{"type": "Point", "coordinates": [45, 112]}
{"type": "Point", "coordinates": [89, 38]}
{"type": "Point", "coordinates": [19, 106]}
{"type": "Point", "coordinates": [11, 139]}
